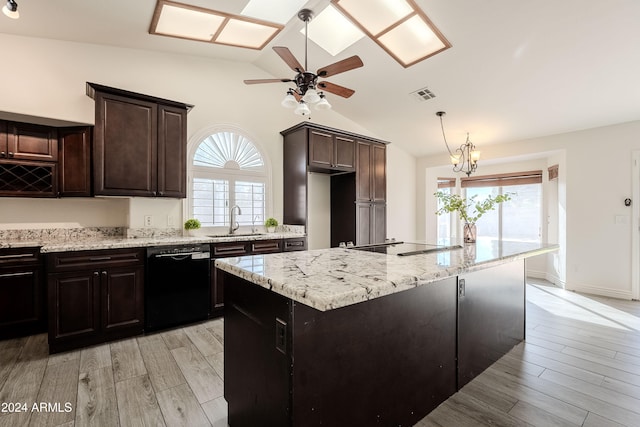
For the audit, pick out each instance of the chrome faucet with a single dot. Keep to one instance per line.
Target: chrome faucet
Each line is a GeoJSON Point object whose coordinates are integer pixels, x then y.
{"type": "Point", "coordinates": [232, 215]}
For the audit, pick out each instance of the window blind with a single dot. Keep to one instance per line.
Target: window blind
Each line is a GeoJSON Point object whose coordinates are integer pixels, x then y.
{"type": "Point", "coordinates": [502, 180]}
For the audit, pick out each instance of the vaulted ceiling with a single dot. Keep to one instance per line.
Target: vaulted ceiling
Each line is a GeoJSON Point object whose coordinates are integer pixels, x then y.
{"type": "Point", "coordinates": [516, 69]}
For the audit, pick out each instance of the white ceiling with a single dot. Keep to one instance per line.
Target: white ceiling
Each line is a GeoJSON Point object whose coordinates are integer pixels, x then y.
{"type": "Point", "coordinates": [517, 69]}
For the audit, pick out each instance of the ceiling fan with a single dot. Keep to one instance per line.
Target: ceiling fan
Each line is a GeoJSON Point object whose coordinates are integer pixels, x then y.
{"type": "Point", "coordinates": [308, 89]}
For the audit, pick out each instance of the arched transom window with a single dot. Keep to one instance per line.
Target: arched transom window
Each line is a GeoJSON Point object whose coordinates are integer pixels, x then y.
{"type": "Point", "coordinates": [228, 170]}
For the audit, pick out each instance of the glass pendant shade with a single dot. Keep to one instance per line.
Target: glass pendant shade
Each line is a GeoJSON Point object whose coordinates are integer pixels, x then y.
{"type": "Point", "coordinates": [11, 10]}
{"type": "Point", "coordinates": [289, 101]}
{"type": "Point", "coordinates": [323, 104]}
{"type": "Point", "coordinates": [311, 96]}
{"type": "Point", "coordinates": [302, 109]}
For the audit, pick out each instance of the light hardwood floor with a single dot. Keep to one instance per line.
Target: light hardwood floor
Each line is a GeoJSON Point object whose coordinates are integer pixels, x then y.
{"type": "Point", "coordinates": [580, 366]}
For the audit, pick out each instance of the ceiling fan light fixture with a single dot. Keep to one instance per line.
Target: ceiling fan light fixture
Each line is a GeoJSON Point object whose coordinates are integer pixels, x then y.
{"type": "Point", "coordinates": [311, 96]}
{"type": "Point", "coordinates": [11, 9]}
{"type": "Point", "coordinates": [289, 100]}
{"type": "Point", "coordinates": [323, 104]}
{"type": "Point", "coordinates": [303, 109]}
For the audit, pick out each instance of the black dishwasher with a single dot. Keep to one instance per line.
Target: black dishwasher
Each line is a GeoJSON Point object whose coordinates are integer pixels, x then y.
{"type": "Point", "coordinates": [178, 285]}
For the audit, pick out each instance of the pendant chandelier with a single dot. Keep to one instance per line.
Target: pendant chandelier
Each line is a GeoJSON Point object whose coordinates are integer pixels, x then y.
{"type": "Point", "coordinates": [464, 159]}
{"type": "Point", "coordinates": [11, 9]}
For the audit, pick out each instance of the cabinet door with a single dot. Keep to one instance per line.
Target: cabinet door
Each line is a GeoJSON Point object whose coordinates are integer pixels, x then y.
{"type": "Point", "coordinates": [124, 146]}
{"type": "Point", "coordinates": [74, 146]}
{"type": "Point", "coordinates": [31, 142]}
{"type": "Point", "coordinates": [3, 139]}
{"type": "Point", "coordinates": [320, 150]}
{"type": "Point", "coordinates": [344, 153]}
{"type": "Point", "coordinates": [122, 298]}
{"type": "Point", "coordinates": [378, 231]}
{"type": "Point", "coordinates": [222, 250]}
{"type": "Point", "coordinates": [172, 152]}
{"type": "Point", "coordinates": [74, 305]}
{"type": "Point", "coordinates": [266, 246]}
{"type": "Point", "coordinates": [379, 173]}
{"type": "Point", "coordinates": [363, 223]}
{"type": "Point", "coordinates": [20, 301]}
{"type": "Point", "coordinates": [363, 171]}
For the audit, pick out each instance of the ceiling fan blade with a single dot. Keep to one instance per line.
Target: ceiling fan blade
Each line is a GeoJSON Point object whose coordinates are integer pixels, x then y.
{"type": "Point", "coordinates": [340, 66]}
{"type": "Point", "coordinates": [257, 81]}
{"type": "Point", "coordinates": [288, 57]}
{"type": "Point", "coordinates": [336, 89]}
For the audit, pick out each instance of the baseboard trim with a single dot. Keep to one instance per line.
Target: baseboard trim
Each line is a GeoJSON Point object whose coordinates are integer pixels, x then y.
{"type": "Point", "coordinates": [604, 292]}
{"type": "Point", "coordinates": [536, 274]}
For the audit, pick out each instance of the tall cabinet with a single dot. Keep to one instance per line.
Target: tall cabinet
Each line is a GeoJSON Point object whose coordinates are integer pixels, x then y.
{"type": "Point", "coordinates": [357, 166]}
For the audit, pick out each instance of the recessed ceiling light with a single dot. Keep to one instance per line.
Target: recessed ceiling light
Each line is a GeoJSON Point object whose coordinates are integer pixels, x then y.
{"type": "Point", "coordinates": [332, 31]}
{"type": "Point", "coordinates": [196, 23]}
{"type": "Point", "coordinates": [400, 27]}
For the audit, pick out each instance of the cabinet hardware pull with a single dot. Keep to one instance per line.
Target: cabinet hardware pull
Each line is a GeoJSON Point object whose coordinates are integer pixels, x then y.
{"type": "Point", "coordinates": [3, 154]}
{"type": "Point", "coordinates": [10, 154]}
{"type": "Point", "coordinates": [100, 258]}
{"type": "Point", "coordinates": [27, 273]}
{"type": "Point", "coordinates": [161, 193]}
{"type": "Point", "coordinates": [14, 256]}
{"type": "Point", "coordinates": [95, 273]}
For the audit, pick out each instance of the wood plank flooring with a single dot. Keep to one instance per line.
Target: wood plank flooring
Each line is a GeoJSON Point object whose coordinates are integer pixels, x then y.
{"type": "Point", "coordinates": [580, 366]}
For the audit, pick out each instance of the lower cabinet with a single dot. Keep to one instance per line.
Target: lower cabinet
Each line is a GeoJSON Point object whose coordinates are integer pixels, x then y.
{"type": "Point", "coordinates": [94, 296]}
{"type": "Point", "coordinates": [371, 222]}
{"type": "Point", "coordinates": [21, 293]}
{"type": "Point", "coordinates": [236, 249]}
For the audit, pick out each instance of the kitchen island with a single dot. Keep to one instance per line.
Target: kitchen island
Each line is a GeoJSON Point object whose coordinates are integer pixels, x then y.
{"type": "Point", "coordinates": [341, 337]}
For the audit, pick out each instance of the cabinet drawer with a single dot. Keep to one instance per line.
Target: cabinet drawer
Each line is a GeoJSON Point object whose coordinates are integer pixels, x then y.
{"type": "Point", "coordinates": [69, 261]}
{"type": "Point", "coordinates": [266, 246]}
{"type": "Point", "coordinates": [298, 244]}
{"type": "Point", "coordinates": [19, 256]}
{"type": "Point", "coordinates": [219, 250]}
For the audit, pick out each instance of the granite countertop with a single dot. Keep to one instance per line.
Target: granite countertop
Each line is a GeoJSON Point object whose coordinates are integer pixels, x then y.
{"type": "Point", "coordinates": [97, 243]}
{"type": "Point", "coordinates": [327, 279]}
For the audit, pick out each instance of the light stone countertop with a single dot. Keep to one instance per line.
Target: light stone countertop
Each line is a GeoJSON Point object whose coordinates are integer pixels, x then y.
{"type": "Point", "coordinates": [98, 243]}
{"type": "Point", "coordinates": [327, 279]}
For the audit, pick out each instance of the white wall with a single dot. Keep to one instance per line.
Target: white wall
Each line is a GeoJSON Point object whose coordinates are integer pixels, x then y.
{"type": "Point", "coordinates": [595, 178]}
{"type": "Point", "coordinates": [47, 78]}
{"type": "Point", "coordinates": [401, 194]}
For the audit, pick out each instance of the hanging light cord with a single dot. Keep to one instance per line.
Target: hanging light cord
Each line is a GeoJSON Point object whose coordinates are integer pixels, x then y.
{"type": "Point", "coordinates": [443, 136]}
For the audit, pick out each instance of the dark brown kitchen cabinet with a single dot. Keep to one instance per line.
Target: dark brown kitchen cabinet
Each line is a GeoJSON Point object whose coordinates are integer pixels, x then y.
{"type": "Point", "coordinates": [74, 161]}
{"type": "Point", "coordinates": [21, 293]}
{"type": "Point", "coordinates": [94, 296]}
{"type": "Point", "coordinates": [371, 183]}
{"type": "Point", "coordinates": [139, 146]}
{"type": "Point", "coordinates": [26, 141]}
{"type": "Point", "coordinates": [370, 223]}
{"type": "Point", "coordinates": [241, 248]}
{"type": "Point", "coordinates": [330, 151]}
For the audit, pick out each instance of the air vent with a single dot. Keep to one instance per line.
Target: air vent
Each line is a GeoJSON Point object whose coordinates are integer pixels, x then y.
{"type": "Point", "coordinates": [423, 94]}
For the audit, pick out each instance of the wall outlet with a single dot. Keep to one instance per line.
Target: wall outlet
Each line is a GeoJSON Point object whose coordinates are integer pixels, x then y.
{"type": "Point", "coordinates": [148, 220]}
{"type": "Point", "coordinates": [171, 221]}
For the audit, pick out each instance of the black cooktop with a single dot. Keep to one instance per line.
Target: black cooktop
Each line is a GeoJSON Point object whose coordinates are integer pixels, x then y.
{"type": "Point", "coordinates": [405, 248]}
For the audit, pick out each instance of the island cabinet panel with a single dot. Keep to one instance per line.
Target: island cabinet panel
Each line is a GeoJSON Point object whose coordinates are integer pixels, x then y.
{"type": "Point", "coordinates": [94, 296]}
{"type": "Point", "coordinates": [21, 293]}
{"type": "Point", "coordinates": [387, 361]}
{"type": "Point", "coordinates": [491, 306]}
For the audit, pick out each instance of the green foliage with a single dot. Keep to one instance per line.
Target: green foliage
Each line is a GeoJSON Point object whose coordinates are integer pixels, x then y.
{"type": "Point", "coordinates": [191, 224]}
{"type": "Point", "coordinates": [271, 222]}
{"type": "Point", "coordinates": [455, 203]}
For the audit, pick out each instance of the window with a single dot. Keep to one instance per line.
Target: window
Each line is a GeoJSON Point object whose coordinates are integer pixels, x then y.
{"type": "Point", "coordinates": [519, 219]}
{"type": "Point", "coordinates": [228, 169]}
{"type": "Point", "coordinates": [446, 185]}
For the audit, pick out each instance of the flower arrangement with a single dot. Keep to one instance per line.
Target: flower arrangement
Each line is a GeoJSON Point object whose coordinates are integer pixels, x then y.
{"type": "Point", "coordinates": [456, 203]}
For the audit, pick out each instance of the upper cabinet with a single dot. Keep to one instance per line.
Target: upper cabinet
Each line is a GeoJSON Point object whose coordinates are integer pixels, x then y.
{"type": "Point", "coordinates": [74, 159]}
{"type": "Point", "coordinates": [140, 143]}
{"type": "Point", "coordinates": [331, 152]}
{"type": "Point", "coordinates": [371, 173]}
{"type": "Point", "coordinates": [25, 141]}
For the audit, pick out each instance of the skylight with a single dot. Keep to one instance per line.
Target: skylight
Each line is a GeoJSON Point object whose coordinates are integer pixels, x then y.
{"type": "Point", "coordinates": [196, 23]}
{"type": "Point", "coordinates": [400, 27]}
{"type": "Point", "coordinates": [332, 31]}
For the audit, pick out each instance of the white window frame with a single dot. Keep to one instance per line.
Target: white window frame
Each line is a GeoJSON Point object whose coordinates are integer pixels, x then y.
{"type": "Point", "coordinates": [228, 174]}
